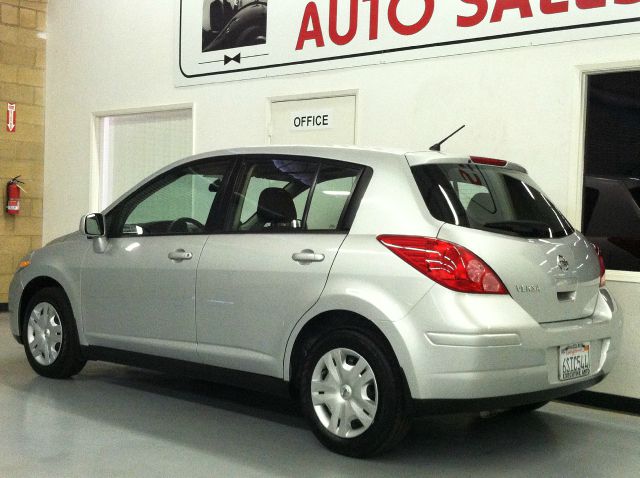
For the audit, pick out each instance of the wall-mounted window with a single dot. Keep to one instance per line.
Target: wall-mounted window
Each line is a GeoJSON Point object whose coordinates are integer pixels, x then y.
{"type": "Point", "coordinates": [611, 196]}
{"type": "Point", "coordinates": [133, 146]}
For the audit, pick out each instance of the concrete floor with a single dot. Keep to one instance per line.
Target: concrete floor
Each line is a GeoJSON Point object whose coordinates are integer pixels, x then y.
{"type": "Point", "coordinates": [113, 421]}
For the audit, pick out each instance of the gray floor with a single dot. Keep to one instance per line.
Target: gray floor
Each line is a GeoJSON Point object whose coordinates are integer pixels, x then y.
{"type": "Point", "coordinates": [116, 421]}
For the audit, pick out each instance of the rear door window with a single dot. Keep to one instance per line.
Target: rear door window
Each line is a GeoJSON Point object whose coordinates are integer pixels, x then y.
{"type": "Point", "coordinates": [332, 192]}
{"type": "Point", "coordinates": [292, 194]}
{"type": "Point", "coordinates": [489, 198]}
{"type": "Point", "coordinates": [273, 194]}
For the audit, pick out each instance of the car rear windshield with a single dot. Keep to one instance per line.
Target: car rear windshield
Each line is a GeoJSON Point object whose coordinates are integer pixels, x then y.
{"type": "Point", "coordinates": [489, 198]}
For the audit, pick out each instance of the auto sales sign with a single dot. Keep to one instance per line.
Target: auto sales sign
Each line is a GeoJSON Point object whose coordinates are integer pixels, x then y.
{"type": "Point", "coordinates": [222, 40]}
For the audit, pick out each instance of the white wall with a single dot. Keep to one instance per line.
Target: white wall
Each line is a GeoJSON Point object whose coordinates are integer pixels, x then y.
{"type": "Point", "coordinates": [625, 380]}
{"type": "Point", "coordinates": [522, 104]}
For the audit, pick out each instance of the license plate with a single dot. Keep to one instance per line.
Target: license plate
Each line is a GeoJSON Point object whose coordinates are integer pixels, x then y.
{"type": "Point", "coordinates": [574, 361]}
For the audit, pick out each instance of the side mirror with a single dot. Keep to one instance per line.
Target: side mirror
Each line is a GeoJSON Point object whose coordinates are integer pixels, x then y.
{"type": "Point", "coordinates": [92, 225]}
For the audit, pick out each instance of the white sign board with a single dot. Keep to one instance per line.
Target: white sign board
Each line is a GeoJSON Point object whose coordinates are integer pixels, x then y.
{"type": "Point", "coordinates": [223, 40]}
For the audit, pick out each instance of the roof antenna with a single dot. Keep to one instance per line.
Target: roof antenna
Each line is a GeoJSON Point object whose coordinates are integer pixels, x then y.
{"type": "Point", "coordinates": [438, 146]}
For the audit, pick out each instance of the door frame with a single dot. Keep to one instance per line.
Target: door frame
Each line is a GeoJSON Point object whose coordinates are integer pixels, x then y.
{"type": "Point", "coordinates": [313, 96]}
{"type": "Point", "coordinates": [577, 147]}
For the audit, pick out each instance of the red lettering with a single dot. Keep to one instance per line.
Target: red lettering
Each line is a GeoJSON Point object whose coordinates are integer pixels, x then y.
{"type": "Point", "coordinates": [373, 19]}
{"type": "Point", "coordinates": [403, 29]}
{"type": "Point", "coordinates": [549, 7]}
{"type": "Point", "coordinates": [626, 2]}
{"type": "Point", "coordinates": [333, 23]}
{"type": "Point", "coordinates": [310, 28]}
{"type": "Point", "coordinates": [587, 4]}
{"type": "Point", "coordinates": [482, 7]}
{"type": "Point", "coordinates": [502, 5]}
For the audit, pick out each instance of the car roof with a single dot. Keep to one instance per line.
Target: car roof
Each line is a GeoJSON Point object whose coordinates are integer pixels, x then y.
{"type": "Point", "coordinates": [366, 156]}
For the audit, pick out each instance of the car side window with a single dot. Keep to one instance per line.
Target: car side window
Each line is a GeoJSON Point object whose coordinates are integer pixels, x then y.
{"type": "Point", "coordinates": [273, 194]}
{"type": "Point", "coordinates": [292, 194]}
{"type": "Point", "coordinates": [333, 190]}
{"type": "Point", "coordinates": [179, 202]}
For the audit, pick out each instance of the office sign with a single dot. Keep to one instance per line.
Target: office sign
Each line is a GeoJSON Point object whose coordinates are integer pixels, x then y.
{"type": "Point", "coordinates": [223, 40]}
{"type": "Point", "coordinates": [311, 120]}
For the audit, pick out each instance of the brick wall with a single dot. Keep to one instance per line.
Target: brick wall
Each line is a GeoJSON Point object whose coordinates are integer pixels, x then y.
{"type": "Point", "coordinates": [22, 63]}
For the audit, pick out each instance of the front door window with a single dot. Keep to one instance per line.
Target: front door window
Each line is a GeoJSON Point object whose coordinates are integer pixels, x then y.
{"type": "Point", "coordinates": [179, 202]}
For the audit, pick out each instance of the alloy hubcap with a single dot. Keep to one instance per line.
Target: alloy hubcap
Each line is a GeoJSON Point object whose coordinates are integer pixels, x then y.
{"type": "Point", "coordinates": [44, 333]}
{"type": "Point", "coordinates": [344, 393]}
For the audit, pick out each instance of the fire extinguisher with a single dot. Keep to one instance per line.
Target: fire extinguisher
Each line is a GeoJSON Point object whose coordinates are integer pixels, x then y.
{"type": "Point", "coordinates": [13, 196]}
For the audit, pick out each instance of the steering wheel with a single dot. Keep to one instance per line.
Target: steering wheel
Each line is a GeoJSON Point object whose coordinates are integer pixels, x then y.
{"type": "Point", "coordinates": [186, 224]}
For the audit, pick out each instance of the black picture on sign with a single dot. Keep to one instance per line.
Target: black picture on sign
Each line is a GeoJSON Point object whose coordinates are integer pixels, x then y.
{"type": "Point", "coordinates": [233, 23]}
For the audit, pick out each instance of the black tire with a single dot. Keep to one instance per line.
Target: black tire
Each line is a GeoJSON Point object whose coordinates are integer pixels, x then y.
{"type": "Point", "coordinates": [390, 423]}
{"type": "Point", "coordinates": [531, 407]}
{"type": "Point", "coordinates": [69, 360]}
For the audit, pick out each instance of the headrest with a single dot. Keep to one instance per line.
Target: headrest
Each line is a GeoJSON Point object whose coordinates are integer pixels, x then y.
{"type": "Point", "coordinates": [481, 208]}
{"type": "Point", "coordinates": [276, 206]}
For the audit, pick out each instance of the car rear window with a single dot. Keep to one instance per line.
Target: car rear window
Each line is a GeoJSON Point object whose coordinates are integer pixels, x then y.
{"type": "Point", "coordinates": [489, 198]}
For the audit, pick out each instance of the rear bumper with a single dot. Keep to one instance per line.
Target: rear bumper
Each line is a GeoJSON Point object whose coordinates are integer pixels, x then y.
{"type": "Point", "coordinates": [470, 352]}
{"type": "Point", "coordinates": [442, 406]}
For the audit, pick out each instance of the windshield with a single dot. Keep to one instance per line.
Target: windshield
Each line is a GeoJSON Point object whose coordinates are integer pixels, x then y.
{"type": "Point", "coordinates": [489, 198]}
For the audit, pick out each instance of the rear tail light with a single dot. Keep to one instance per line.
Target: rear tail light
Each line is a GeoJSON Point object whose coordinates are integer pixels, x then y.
{"type": "Point", "coordinates": [603, 269]}
{"type": "Point", "coordinates": [488, 161]}
{"type": "Point", "coordinates": [450, 265]}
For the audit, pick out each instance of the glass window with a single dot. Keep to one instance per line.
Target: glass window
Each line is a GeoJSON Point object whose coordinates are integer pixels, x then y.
{"type": "Point", "coordinates": [489, 198]}
{"type": "Point", "coordinates": [180, 202]}
{"type": "Point", "coordinates": [274, 194]}
{"type": "Point", "coordinates": [333, 190]}
{"type": "Point", "coordinates": [611, 195]}
{"type": "Point", "coordinates": [154, 139]}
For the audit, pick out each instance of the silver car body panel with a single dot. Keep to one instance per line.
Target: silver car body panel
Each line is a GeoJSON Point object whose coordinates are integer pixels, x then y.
{"type": "Point", "coordinates": [61, 261]}
{"type": "Point", "coordinates": [135, 298]}
{"type": "Point", "coordinates": [460, 371]}
{"type": "Point", "coordinates": [246, 328]}
{"type": "Point", "coordinates": [241, 302]}
{"type": "Point", "coordinates": [531, 272]}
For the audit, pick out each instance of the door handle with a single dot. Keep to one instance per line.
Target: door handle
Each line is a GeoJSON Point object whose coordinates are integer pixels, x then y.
{"type": "Point", "coordinates": [180, 255]}
{"type": "Point", "coordinates": [307, 256]}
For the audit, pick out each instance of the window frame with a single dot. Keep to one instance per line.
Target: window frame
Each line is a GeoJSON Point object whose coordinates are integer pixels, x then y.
{"type": "Point", "coordinates": [227, 205]}
{"type": "Point", "coordinates": [101, 196]}
{"type": "Point", "coordinates": [580, 123]}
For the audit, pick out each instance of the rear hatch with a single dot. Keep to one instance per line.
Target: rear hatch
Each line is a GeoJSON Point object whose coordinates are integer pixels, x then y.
{"type": "Point", "coordinates": [501, 215]}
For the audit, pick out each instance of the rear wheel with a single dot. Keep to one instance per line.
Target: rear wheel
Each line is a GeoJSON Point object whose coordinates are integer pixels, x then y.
{"type": "Point", "coordinates": [352, 394]}
{"type": "Point", "coordinates": [50, 336]}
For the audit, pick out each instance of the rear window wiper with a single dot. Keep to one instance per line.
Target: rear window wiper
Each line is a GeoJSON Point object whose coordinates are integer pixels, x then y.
{"type": "Point", "coordinates": [522, 228]}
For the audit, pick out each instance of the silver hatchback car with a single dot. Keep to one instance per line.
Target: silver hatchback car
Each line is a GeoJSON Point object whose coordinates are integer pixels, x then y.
{"type": "Point", "coordinates": [372, 286]}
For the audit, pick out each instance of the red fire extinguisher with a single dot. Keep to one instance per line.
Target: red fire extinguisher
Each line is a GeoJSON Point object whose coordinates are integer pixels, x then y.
{"type": "Point", "coordinates": [13, 196]}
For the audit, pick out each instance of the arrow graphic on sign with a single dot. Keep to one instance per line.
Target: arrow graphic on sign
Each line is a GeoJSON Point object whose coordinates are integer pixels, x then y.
{"type": "Point", "coordinates": [11, 117]}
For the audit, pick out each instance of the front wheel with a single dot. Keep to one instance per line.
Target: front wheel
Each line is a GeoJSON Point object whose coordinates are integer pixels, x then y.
{"type": "Point", "coordinates": [50, 336]}
{"type": "Point", "coordinates": [353, 395]}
